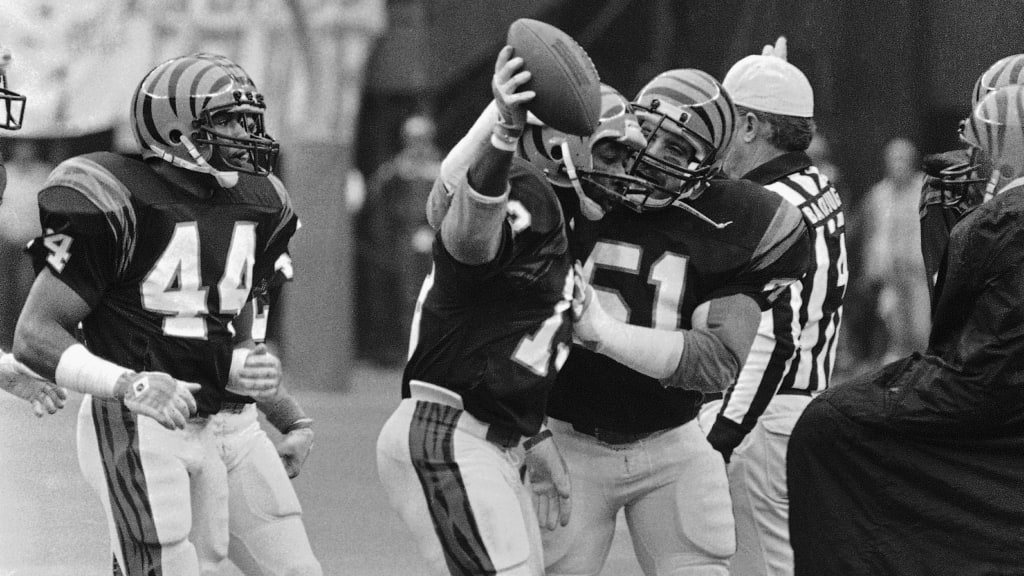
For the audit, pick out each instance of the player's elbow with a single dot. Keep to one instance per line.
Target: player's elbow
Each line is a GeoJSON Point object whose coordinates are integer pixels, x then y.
{"type": "Point", "coordinates": [706, 364]}
{"type": "Point", "coordinates": [30, 343]}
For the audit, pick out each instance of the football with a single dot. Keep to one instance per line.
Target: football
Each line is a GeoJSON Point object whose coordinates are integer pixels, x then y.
{"type": "Point", "coordinates": [566, 82]}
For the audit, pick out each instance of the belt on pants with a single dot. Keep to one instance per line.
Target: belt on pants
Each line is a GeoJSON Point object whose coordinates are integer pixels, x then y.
{"type": "Point", "coordinates": [503, 436]}
{"type": "Point", "coordinates": [226, 408]}
{"type": "Point", "coordinates": [614, 436]}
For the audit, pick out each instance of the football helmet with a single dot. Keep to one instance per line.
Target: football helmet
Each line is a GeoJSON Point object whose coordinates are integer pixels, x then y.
{"type": "Point", "coordinates": [13, 103]}
{"type": "Point", "coordinates": [173, 113]}
{"type": "Point", "coordinates": [1006, 71]}
{"type": "Point", "coordinates": [690, 105]}
{"type": "Point", "coordinates": [569, 160]}
{"type": "Point", "coordinates": [996, 126]}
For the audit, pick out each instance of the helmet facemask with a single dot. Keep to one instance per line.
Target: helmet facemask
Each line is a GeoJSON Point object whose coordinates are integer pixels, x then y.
{"type": "Point", "coordinates": [260, 149]}
{"type": "Point", "coordinates": [669, 179]}
{"type": "Point", "coordinates": [178, 115]}
{"type": "Point", "coordinates": [600, 191]}
{"type": "Point", "coordinates": [13, 111]}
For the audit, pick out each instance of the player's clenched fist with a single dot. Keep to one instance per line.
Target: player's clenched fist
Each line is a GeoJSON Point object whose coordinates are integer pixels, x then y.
{"type": "Point", "coordinates": [159, 396]}
{"type": "Point", "coordinates": [258, 376]}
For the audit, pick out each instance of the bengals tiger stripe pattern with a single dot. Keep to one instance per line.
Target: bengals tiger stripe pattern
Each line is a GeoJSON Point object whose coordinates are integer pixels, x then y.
{"type": "Point", "coordinates": [997, 127]}
{"type": "Point", "coordinates": [1006, 71]}
{"type": "Point", "coordinates": [706, 109]}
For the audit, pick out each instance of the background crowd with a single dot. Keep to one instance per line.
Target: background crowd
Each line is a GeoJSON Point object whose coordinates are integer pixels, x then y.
{"type": "Point", "coordinates": [377, 91]}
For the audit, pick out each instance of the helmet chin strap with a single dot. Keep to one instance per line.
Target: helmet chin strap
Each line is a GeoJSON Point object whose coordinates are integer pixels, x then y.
{"type": "Point", "coordinates": [1003, 186]}
{"type": "Point", "coordinates": [591, 210]}
{"type": "Point", "coordinates": [225, 178]}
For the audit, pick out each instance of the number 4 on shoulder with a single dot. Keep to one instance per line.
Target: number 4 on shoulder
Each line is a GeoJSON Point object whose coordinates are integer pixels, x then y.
{"type": "Point", "coordinates": [59, 246]}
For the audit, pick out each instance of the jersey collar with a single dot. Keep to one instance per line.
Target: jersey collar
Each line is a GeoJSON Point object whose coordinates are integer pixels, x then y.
{"type": "Point", "coordinates": [779, 167]}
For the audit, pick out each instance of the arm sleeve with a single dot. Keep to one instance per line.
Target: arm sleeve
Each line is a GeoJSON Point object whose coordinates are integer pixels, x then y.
{"type": "Point", "coordinates": [82, 245]}
{"type": "Point", "coordinates": [717, 345]}
{"type": "Point", "coordinates": [455, 166]}
{"type": "Point", "coordinates": [472, 227]}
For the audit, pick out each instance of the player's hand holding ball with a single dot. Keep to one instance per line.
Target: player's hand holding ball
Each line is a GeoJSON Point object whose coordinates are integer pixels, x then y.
{"type": "Point", "coordinates": [509, 77]}
{"type": "Point", "coordinates": [259, 376]}
{"type": "Point", "coordinates": [160, 396]}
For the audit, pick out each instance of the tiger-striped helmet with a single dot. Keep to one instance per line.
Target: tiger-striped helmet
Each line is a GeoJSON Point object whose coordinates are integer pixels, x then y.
{"type": "Point", "coordinates": [684, 103]}
{"type": "Point", "coordinates": [997, 126]}
{"type": "Point", "coordinates": [568, 160]}
{"type": "Point", "coordinates": [1006, 71]}
{"type": "Point", "coordinates": [173, 110]}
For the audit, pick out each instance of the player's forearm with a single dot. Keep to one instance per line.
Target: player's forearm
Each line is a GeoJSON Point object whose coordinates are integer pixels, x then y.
{"type": "Point", "coordinates": [649, 351]}
{"type": "Point", "coordinates": [477, 141]}
{"type": "Point", "coordinates": [284, 412]}
{"type": "Point", "coordinates": [719, 343]}
{"type": "Point", "coordinates": [57, 356]}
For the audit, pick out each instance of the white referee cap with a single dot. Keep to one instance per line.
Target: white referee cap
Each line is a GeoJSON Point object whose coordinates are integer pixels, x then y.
{"type": "Point", "coordinates": [770, 84]}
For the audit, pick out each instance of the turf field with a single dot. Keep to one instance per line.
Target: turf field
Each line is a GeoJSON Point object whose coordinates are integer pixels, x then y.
{"type": "Point", "coordinates": [51, 523]}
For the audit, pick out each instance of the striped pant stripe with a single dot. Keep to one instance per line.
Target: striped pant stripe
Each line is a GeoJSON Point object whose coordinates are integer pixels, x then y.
{"type": "Point", "coordinates": [116, 432]}
{"type": "Point", "coordinates": [432, 451]}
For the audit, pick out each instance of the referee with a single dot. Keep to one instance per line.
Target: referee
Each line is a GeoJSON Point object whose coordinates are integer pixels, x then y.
{"type": "Point", "coordinates": [795, 349]}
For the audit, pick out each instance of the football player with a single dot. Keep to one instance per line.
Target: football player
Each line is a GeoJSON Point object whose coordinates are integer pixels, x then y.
{"type": "Point", "coordinates": [156, 261]}
{"type": "Point", "coordinates": [491, 329]}
{"type": "Point", "coordinates": [667, 305]}
{"type": "Point", "coordinates": [15, 377]}
{"type": "Point", "coordinates": [915, 468]}
{"type": "Point", "coordinates": [959, 180]}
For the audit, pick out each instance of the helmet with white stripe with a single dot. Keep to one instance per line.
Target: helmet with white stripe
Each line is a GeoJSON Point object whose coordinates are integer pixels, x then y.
{"type": "Point", "coordinates": [1006, 71]}
{"type": "Point", "coordinates": [688, 120]}
{"type": "Point", "coordinates": [173, 117]}
{"type": "Point", "coordinates": [598, 175]}
{"type": "Point", "coordinates": [997, 126]}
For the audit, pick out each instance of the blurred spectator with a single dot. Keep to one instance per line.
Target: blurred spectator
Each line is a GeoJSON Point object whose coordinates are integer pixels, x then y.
{"type": "Point", "coordinates": [821, 156]}
{"type": "Point", "coordinates": [893, 269]}
{"type": "Point", "coordinates": [395, 243]}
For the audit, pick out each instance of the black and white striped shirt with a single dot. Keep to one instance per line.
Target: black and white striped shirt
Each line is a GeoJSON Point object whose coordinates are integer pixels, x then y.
{"type": "Point", "coordinates": [795, 348]}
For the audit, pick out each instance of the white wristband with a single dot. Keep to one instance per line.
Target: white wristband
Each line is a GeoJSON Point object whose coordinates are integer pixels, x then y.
{"type": "Point", "coordinates": [502, 144]}
{"type": "Point", "coordinates": [83, 371]}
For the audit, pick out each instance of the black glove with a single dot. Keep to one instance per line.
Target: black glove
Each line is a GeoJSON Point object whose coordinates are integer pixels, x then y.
{"type": "Point", "coordinates": [725, 436]}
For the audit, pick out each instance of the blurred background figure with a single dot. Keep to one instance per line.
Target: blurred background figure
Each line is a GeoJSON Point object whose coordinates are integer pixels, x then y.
{"type": "Point", "coordinates": [820, 152]}
{"type": "Point", "coordinates": [395, 242]}
{"type": "Point", "coordinates": [893, 270]}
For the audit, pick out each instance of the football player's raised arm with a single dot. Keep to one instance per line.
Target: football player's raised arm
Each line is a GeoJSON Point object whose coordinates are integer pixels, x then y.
{"type": "Point", "coordinates": [471, 229]}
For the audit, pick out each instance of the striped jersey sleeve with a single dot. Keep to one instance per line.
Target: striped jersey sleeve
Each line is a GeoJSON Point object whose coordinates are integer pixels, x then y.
{"type": "Point", "coordinates": [89, 227]}
{"type": "Point", "coordinates": [794, 351]}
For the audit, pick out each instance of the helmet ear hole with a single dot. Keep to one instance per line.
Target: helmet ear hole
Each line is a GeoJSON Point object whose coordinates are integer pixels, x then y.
{"type": "Point", "coordinates": [556, 153]}
{"type": "Point", "coordinates": [175, 136]}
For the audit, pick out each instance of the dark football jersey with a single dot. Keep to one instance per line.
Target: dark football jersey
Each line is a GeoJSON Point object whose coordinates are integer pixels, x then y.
{"type": "Point", "coordinates": [978, 322]}
{"type": "Point", "coordinates": [164, 272]}
{"type": "Point", "coordinates": [653, 269]}
{"type": "Point", "coordinates": [497, 333]}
